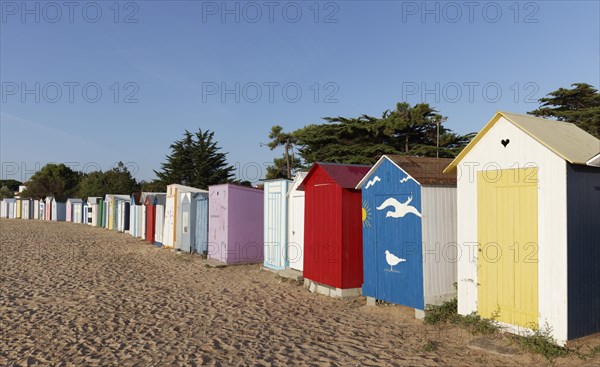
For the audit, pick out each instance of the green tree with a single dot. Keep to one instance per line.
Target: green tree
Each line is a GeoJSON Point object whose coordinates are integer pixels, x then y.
{"type": "Point", "coordinates": [153, 186]}
{"type": "Point", "coordinates": [5, 193]}
{"type": "Point", "coordinates": [196, 160]}
{"type": "Point", "coordinates": [287, 141]}
{"type": "Point", "coordinates": [579, 105]}
{"type": "Point", "coordinates": [55, 180]}
{"type": "Point", "coordinates": [92, 184]}
{"type": "Point", "coordinates": [12, 185]}
{"type": "Point", "coordinates": [405, 130]}
{"type": "Point", "coordinates": [117, 180]}
{"type": "Point", "coordinates": [279, 168]}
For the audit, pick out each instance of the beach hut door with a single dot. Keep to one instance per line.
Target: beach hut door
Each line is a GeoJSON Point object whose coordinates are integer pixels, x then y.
{"type": "Point", "coordinates": [507, 230]}
{"type": "Point", "coordinates": [275, 249]}
{"type": "Point", "coordinates": [296, 232]}
{"type": "Point", "coordinates": [185, 224]}
{"type": "Point", "coordinates": [201, 235]}
{"type": "Point", "coordinates": [398, 248]}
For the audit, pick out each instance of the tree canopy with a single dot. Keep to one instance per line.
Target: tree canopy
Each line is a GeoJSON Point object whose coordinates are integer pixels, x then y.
{"type": "Point", "coordinates": [8, 188]}
{"type": "Point", "coordinates": [12, 185]}
{"type": "Point", "coordinates": [579, 105]}
{"type": "Point", "coordinates": [405, 130]}
{"type": "Point", "coordinates": [5, 193]}
{"type": "Point", "coordinates": [153, 186]}
{"type": "Point", "coordinates": [279, 168]}
{"type": "Point", "coordinates": [195, 160]}
{"type": "Point", "coordinates": [56, 180]}
{"type": "Point", "coordinates": [117, 180]}
{"type": "Point", "coordinates": [282, 167]}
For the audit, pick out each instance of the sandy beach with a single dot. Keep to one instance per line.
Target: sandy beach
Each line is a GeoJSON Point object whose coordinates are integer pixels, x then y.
{"type": "Point", "coordinates": [74, 295]}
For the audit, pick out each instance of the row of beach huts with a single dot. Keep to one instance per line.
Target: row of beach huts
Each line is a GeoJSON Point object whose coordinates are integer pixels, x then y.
{"type": "Point", "coordinates": [511, 226]}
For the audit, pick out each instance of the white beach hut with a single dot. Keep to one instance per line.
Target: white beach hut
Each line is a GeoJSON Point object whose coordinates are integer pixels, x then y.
{"type": "Point", "coordinates": [11, 207]}
{"type": "Point", "coordinates": [295, 240]}
{"type": "Point", "coordinates": [173, 213]}
{"type": "Point", "coordinates": [36, 209]}
{"type": "Point", "coordinates": [527, 228]}
{"type": "Point", "coordinates": [26, 209]}
{"type": "Point", "coordinates": [3, 209]}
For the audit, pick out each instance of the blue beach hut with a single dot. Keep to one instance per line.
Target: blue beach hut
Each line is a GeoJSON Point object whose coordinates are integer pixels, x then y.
{"type": "Point", "coordinates": [192, 228]}
{"type": "Point", "coordinates": [409, 231]}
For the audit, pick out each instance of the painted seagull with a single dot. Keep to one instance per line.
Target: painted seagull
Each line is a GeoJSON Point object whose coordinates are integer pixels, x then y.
{"type": "Point", "coordinates": [372, 182]}
{"type": "Point", "coordinates": [400, 209]}
{"type": "Point", "coordinates": [392, 259]}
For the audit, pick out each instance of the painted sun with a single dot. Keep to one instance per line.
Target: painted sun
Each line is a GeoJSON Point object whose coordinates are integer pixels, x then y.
{"type": "Point", "coordinates": [366, 214]}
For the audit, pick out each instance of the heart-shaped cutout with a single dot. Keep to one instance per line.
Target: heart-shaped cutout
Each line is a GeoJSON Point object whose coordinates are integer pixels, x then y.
{"type": "Point", "coordinates": [505, 142]}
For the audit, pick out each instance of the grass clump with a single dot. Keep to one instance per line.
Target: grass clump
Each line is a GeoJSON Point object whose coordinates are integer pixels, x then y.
{"type": "Point", "coordinates": [447, 312]}
{"type": "Point", "coordinates": [431, 346]}
{"type": "Point", "coordinates": [541, 342]}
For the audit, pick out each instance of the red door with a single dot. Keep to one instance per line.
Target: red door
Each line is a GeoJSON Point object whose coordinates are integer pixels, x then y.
{"type": "Point", "coordinates": [150, 223]}
{"type": "Point", "coordinates": [322, 244]}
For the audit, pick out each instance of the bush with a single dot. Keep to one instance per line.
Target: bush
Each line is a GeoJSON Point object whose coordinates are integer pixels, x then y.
{"type": "Point", "coordinates": [446, 312]}
{"type": "Point", "coordinates": [541, 342]}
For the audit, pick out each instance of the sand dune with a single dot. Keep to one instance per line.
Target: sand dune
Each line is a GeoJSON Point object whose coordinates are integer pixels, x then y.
{"type": "Point", "coordinates": [73, 295]}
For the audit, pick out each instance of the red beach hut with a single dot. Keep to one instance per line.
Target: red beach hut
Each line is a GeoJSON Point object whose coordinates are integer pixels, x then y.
{"type": "Point", "coordinates": [333, 261]}
{"type": "Point", "coordinates": [150, 204]}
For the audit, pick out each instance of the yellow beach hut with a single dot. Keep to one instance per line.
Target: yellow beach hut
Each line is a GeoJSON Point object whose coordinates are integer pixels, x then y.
{"type": "Point", "coordinates": [528, 209]}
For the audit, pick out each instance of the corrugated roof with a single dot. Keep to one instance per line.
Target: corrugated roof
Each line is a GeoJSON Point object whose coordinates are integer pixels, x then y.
{"type": "Point", "coordinates": [568, 141]}
{"type": "Point", "coordinates": [425, 170]}
{"type": "Point", "coordinates": [345, 175]}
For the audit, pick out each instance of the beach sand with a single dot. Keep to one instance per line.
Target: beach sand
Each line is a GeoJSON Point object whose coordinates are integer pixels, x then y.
{"type": "Point", "coordinates": [74, 295]}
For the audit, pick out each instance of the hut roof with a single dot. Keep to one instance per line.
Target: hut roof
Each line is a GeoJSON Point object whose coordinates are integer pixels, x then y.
{"type": "Point", "coordinates": [568, 141]}
{"type": "Point", "coordinates": [425, 170]}
{"type": "Point", "coordinates": [345, 175]}
{"type": "Point", "coordinates": [137, 197]}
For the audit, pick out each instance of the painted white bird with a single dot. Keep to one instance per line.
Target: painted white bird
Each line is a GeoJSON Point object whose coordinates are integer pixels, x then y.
{"type": "Point", "coordinates": [372, 182]}
{"type": "Point", "coordinates": [400, 209]}
{"type": "Point", "coordinates": [392, 259]}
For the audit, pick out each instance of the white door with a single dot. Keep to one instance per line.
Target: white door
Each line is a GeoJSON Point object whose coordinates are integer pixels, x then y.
{"type": "Point", "coordinates": [142, 231]}
{"type": "Point", "coordinates": [296, 230]}
{"type": "Point", "coordinates": [159, 223]}
{"type": "Point", "coordinates": [168, 232]}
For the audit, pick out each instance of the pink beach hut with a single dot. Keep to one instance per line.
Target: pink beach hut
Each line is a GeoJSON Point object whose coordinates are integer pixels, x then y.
{"type": "Point", "coordinates": [235, 224]}
{"type": "Point", "coordinates": [48, 208]}
{"type": "Point", "coordinates": [73, 205]}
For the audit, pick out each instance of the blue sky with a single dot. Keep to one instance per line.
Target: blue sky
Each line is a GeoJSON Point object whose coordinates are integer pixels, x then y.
{"type": "Point", "coordinates": [177, 64]}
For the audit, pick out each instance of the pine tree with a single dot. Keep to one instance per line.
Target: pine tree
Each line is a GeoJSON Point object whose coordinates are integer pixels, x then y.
{"type": "Point", "coordinates": [196, 160]}
{"type": "Point", "coordinates": [405, 130]}
{"type": "Point", "coordinates": [580, 105]}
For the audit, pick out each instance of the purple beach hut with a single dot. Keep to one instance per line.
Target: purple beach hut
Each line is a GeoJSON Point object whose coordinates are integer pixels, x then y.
{"type": "Point", "coordinates": [235, 224]}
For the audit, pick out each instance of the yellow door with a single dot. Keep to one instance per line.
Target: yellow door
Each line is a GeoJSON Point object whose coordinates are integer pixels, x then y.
{"type": "Point", "coordinates": [110, 215]}
{"type": "Point", "coordinates": [507, 230]}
